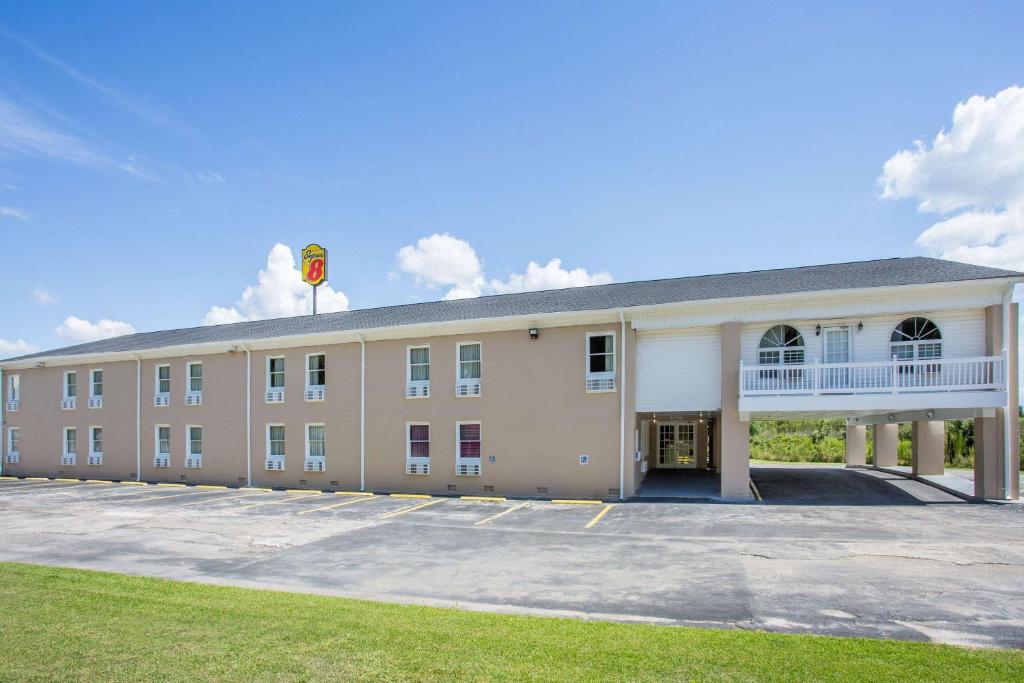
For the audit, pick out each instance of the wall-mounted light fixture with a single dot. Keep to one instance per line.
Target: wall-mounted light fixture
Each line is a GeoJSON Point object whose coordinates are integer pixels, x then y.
{"type": "Point", "coordinates": [930, 414]}
{"type": "Point", "coordinates": [892, 418]}
{"type": "Point", "coordinates": [534, 333]}
{"type": "Point", "coordinates": [817, 330]}
{"type": "Point", "coordinates": [860, 326]}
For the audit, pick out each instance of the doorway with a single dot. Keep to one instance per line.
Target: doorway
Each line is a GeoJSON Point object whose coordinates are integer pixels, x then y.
{"type": "Point", "coordinates": [677, 445]}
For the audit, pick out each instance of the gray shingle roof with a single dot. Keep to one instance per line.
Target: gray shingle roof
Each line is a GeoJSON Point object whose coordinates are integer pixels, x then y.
{"type": "Point", "coordinates": [880, 273]}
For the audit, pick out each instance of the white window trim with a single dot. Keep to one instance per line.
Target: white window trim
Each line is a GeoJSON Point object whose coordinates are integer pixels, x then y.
{"type": "Point", "coordinates": [68, 402]}
{"type": "Point", "coordinates": [419, 388]}
{"type": "Point", "coordinates": [13, 392]}
{"type": "Point", "coordinates": [276, 394]}
{"type": "Point", "coordinates": [461, 462]}
{"type": "Point", "coordinates": [319, 390]}
{"type": "Point", "coordinates": [64, 452]}
{"type": "Point", "coordinates": [188, 377]}
{"type": "Point", "coordinates": [156, 444]}
{"type": "Point", "coordinates": [157, 394]}
{"type": "Point", "coordinates": [470, 383]}
{"type": "Point", "coordinates": [188, 444]}
{"type": "Point", "coordinates": [92, 440]}
{"type": "Point", "coordinates": [94, 400]}
{"type": "Point", "coordinates": [601, 376]}
{"type": "Point", "coordinates": [915, 344]}
{"type": "Point", "coordinates": [266, 444]}
{"type": "Point", "coordinates": [13, 456]}
{"type": "Point", "coordinates": [307, 458]}
{"type": "Point", "coordinates": [408, 443]}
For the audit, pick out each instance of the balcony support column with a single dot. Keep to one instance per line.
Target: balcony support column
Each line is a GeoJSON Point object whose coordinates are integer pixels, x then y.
{"type": "Point", "coordinates": [928, 440]}
{"type": "Point", "coordinates": [734, 445]}
{"type": "Point", "coordinates": [856, 445]}
{"type": "Point", "coordinates": [886, 439]}
{"type": "Point", "coordinates": [990, 433]}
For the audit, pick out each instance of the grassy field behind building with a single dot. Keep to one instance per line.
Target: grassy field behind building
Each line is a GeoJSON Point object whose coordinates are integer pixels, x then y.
{"type": "Point", "coordinates": [67, 624]}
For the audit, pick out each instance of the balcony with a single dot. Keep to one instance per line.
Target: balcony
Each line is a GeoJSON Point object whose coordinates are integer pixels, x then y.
{"type": "Point", "coordinates": [934, 383]}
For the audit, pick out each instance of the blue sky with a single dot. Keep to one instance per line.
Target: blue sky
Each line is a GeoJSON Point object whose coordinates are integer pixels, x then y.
{"type": "Point", "coordinates": [152, 156]}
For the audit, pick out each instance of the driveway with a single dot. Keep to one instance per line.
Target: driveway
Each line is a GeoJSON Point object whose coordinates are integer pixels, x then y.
{"type": "Point", "coordinates": [830, 485]}
{"type": "Point", "coordinates": [926, 571]}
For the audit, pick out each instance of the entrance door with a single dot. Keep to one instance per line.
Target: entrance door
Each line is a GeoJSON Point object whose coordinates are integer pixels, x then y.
{"type": "Point", "coordinates": [677, 446]}
{"type": "Point", "coordinates": [836, 341]}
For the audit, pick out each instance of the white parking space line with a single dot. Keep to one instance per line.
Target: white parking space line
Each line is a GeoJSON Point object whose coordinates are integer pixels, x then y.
{"type": "Point", "coordinates": [500, 514]}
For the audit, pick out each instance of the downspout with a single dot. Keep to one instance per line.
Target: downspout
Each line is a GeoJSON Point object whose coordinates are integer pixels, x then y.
{"type": "Point", "coordinates": [362, 413]}
{"type": "Point", "coordinates": [248, 415]}
{"type": "Point", "coordinates": [1011, 410]}
{"type": "Point", "coordinates": [138, 419]}
{"type": "Point", "coordinates": [622, 410]}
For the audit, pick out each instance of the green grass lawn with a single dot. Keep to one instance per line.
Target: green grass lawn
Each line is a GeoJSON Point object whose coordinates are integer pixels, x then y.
{"type": "Point", "coordinates": [67, 624]}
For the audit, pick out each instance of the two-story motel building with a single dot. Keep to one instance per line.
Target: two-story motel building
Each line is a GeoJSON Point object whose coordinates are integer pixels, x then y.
{"type": "Point", "coordinates": [574, 392]}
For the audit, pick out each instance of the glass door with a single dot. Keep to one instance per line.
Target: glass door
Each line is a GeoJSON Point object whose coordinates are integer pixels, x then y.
{"type": "Point", "coordinates": [836, 341]}
{"type": "Point", "coordinates": [676, 446]}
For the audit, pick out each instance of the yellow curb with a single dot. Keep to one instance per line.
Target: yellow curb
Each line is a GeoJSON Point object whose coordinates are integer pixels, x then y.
{"type": "Point", "coordinates": [97, 481]}
{"type": "Point", "coordinates": [74, 480]}
{"type": "Point", "coordinates": [37, 479]}
{"type": "Point", "coordinates": [599, 515]}
{"type": "Point", "coordinates": [179, 485]}
{"type": "Point", "coordinates": [210, 486]}
{"type": "Point", "coordinates": [134, 483]}
{"type": "Point", "coordinates": [500, 514]}
{"type": "Point", "coordinates": [256, 488]}
{"type": "Point", "coordinates": [577, 502]}
{"type": "Point", "coordinates": [409, 495]}
{"type": "Point", "coordinates": [360, 499]}
{"type": "Point", "coordinates": [301, 491]}
{"type": "Point", "coordinates": [492, 499]}
{"type": "Point", "coordinates": [6, 477]}
{"type": "Point", "coordinates": [353, 493]}
{"type": "Point", "coordinates": [413, 508]}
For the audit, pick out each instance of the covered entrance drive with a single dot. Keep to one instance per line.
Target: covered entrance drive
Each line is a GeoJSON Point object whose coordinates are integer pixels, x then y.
{"type": "Point", "coordinates": [677, 455]}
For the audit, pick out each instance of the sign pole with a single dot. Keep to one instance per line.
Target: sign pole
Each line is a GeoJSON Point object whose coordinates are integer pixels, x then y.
{"type": "Point", "coordinates": [314, 299]}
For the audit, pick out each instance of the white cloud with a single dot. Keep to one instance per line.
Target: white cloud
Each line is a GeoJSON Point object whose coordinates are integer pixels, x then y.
{"type": "Point", "coordinates": [43, 297]}
{"type": "Point", "coordinates": [77, 330]}
{"type": "Point", "coordinates": [973, 176]}
{"type": "Point", "coordinates": [13, 212]}
{"type": "Point", "coordinates": [18, 347]}
{"type": "Point", "coordinates": [278, 293]}
{"type": "Point", "coordinates": [443, 260]}
{"type": "Point", "coordinates": [206, 178]}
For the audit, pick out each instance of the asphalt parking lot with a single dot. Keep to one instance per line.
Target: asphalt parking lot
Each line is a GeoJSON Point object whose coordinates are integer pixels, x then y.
{"type": "Point", "coordinates": [914, 564]}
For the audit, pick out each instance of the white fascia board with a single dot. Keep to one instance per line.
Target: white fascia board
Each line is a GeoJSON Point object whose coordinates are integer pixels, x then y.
{"type": "Point", "coordinates": [497, 324]}
{"type": "Point", "coordinates": [846, 403]}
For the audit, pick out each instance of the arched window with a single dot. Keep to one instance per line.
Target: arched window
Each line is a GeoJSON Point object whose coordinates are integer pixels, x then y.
{"type": "Point", "coordinates": [915, 339]}
{"type": "Point", "coordinates": [781, 344]}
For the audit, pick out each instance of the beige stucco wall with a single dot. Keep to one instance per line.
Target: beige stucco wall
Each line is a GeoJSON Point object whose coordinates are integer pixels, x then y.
{"type": "Point", "coordinates": [536, 417]}
{"type": "Point", "coordinates": [42, 422]}
{"type": "Point", "coordinates": [734, 444]}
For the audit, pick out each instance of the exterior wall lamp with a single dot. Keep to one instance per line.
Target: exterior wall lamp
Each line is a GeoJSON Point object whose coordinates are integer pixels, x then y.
{"type": "Point", "coordinates": [860, 326]}
{"type": "Point", "coordinates": [817, 330]}
{"type": "Point", "coordinates": [534, 333]}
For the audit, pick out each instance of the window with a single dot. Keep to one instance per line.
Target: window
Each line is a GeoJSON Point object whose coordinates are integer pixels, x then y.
{"type": "Point", "coordinates": [194, 446]}
{"type": "Point", "coordinates": [781, 344]}
{"type": "Point", "coordinates": [13, 392]}
{"type": "Point", "coordinates": [195, 377]}
{"type": "Point", "coordinates": [316, 451]}
{"type": "Point", "coordinates": [95, 445]}
{"type": "Point", "coordinates": [676, 445]}
{"type": "Point", "coordinates": [95, 388]}
{"type": "Point", "coordinates": [467, 381]}
{"type": "Point", "coordinates": [316, 376]}
{"type": "Point", "coordinates": [162, 446]}
{"type": "Point", "coordinates": [275, 447]}
{"type": "Point", "coordinates": [417, 448]}
{"type": "Point", "coordinates": [70, 446]}
{"type": "Point", "coordinates": [417, 373]}
{"type": "Point", "coordinates": [275, 379]}
{"type": "Point", "coordinates": [600, 361]}
{"type": "Point", "coordinates": [916, 339]}
{"type": "Point", "coordinates": [163, 386]}
{"type": "Point", "coordinates": [13, 445]}
{"type": "Point", "coordinates": [70, 390]}
{"type": "Point", "coordinates": [467, 454]}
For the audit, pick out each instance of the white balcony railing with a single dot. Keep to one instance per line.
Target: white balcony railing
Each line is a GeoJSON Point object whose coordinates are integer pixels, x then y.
{"type": "Point", "coordinates": [885, 377]}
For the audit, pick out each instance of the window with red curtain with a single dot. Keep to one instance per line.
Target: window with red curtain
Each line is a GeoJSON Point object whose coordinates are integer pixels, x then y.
{"type": "Point", "coordinates": [469, 441]}
{"type": "Point", "coordinates": [419, 441]}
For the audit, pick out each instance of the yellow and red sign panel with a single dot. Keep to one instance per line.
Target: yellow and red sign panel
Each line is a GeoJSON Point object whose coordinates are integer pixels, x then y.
{"type": "Point", "coordinates": [314, 264]}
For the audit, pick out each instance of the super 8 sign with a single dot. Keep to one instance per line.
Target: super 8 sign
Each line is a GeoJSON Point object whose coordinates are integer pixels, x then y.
{"type": "Point", "coordinates": [314, 264]}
